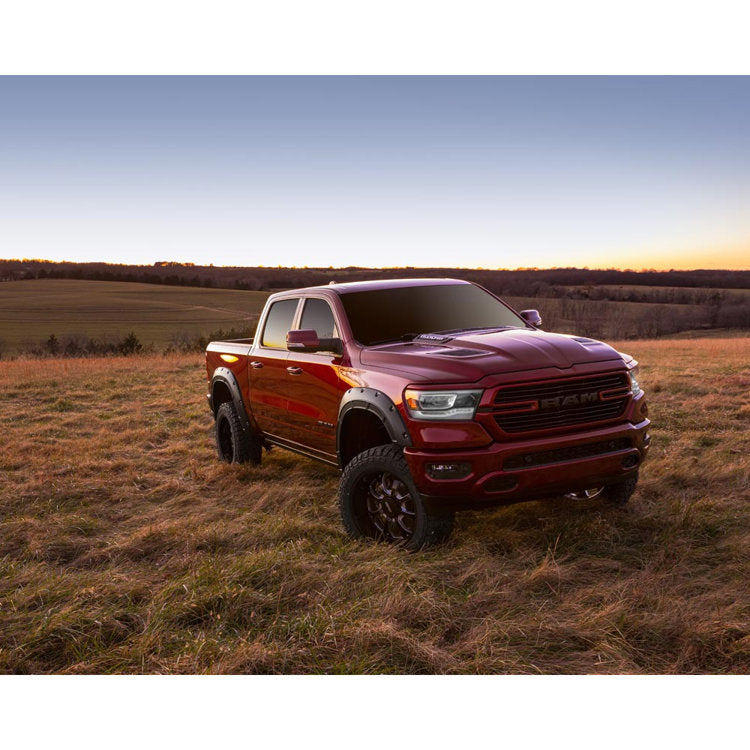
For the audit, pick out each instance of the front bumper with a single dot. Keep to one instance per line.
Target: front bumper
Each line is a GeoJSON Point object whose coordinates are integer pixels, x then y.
{"type": "Point", "coordinates": [513, 471]}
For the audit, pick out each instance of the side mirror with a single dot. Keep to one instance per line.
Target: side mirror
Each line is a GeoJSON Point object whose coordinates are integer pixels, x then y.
{"type": "Point", "coordinates": [303, 341]}
{"type": "Point", "coordinates": [306, 340]}
{"type": "Point", "coordinates": [532, 317]}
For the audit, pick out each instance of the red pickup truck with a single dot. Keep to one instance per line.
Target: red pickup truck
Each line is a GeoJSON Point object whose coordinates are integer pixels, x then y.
{"type": "Point", "coordinates": [431, 396]}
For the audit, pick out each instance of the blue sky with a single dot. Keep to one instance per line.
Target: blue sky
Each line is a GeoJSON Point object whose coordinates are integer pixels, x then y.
{"type": "Point", "coordinates": [488, 171]}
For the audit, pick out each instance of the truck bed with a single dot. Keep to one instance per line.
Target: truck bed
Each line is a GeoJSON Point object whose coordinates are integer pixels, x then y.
{"type": "Point", "coordinates": [232, 346]}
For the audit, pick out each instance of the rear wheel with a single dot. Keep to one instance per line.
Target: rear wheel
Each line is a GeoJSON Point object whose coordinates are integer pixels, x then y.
{"type": "Point", "coordinates": [234, 444]}
{"type": "Point", "coordinates": [378, 500]}
{"type": "Point", "coordinates": [589, 494]}
{"type": "Point", "coordinates": [614, 494]}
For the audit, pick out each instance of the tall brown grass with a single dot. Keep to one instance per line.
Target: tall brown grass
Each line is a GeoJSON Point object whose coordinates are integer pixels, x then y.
{"type": "Point", "coordinates": [126, 547]}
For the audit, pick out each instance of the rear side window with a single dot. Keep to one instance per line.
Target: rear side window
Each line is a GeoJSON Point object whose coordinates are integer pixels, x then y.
{"type": "Point", "coordinates": [318, 316]}
{"type": "Point", "coordinates": [279, 323]}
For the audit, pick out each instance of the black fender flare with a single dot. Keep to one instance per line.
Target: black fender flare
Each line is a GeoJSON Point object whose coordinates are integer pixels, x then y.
{"type": "Point", "coordinates": [226, 376]}
{"type": "Point", "coordinates": [377, 402]}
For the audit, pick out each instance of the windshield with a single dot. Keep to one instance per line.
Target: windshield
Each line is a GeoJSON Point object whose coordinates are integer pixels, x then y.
{"type": "Point", "coordinates": [381, 315]}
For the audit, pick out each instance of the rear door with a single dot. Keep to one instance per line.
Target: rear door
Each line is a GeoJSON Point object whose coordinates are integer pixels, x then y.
{"type": "Point", "coordinates": [269, 378]}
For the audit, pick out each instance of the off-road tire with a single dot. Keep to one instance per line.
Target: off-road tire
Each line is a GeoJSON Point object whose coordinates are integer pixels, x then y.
{"type": "Point", "coordinates": [234, 444]}
{"type": "Point", "coordinates": [367, 479]}
{"type": "Point", "coordinates": [619, 494]}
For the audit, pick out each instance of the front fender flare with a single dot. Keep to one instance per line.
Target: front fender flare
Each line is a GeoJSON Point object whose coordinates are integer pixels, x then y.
{"type": "Point", "coordinates": [370, 399]}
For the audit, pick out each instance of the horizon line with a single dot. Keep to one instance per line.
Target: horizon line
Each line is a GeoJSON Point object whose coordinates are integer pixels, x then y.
{"type": "Point", "coordinates": [188, 264]}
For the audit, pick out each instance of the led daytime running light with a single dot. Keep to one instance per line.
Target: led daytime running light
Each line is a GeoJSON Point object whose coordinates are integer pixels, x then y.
{"type": "Point", "coordinates": [457, 405]}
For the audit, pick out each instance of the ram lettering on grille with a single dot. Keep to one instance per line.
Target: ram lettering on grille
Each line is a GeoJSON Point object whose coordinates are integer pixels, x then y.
{"type": "Point", "coordinates": [561, 403]}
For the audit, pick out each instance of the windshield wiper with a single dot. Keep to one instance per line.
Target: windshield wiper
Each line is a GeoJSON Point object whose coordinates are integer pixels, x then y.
{"type": "Point", "coordinates": [426, 334]}
{"type": "Point", "coordinates": [464, 330]}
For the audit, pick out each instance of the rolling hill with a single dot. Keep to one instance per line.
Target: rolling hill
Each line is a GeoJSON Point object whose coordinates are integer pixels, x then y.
{"type": "Point", "coordinates": [30, 311]}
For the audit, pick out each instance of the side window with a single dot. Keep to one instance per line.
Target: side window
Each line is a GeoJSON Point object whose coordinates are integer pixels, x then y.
{"type": "Point", "coordinates": [278, 323]}
{"type": "Point", "coordinates": [318, 316]}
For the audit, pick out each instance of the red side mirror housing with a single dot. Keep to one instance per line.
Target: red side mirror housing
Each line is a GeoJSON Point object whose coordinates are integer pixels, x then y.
{"type": "Point", "coordinates": [532, 317]}
{"type": "Point", "coordinates": [304, 340]}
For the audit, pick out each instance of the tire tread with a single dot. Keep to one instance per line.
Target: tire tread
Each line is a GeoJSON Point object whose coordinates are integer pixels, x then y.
{"type": "Point", "coordinates": [246, 445]}
{"type": "Point", "coordinates": [432, 528]}
{"type": "Point", "coordinates": [619, 494]}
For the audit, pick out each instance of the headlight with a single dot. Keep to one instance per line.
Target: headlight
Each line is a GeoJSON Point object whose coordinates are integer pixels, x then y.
{"type": "Point", "coordinates": [441, 404]}
{"type": "Point", "coordinates": [633, 373]}
{"type": "Point", "coordinates": [635, 387]}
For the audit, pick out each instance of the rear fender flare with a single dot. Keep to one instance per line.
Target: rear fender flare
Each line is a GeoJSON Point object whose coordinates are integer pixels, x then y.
{"type": "Point", "coordinates": [225, 376]}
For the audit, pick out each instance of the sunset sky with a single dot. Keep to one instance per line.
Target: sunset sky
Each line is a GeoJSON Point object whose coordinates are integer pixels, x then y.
{"type": "Point", "coordinates": [491, 171]}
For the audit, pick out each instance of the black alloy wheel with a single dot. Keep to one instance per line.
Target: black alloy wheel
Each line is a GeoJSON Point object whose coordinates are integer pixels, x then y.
{"type": "Point", "coordinates": [379, 500]}
{"type": "Point", "coordinates": [389, 506]}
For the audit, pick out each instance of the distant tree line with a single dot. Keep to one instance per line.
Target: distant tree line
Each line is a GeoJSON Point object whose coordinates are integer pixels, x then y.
{"type": "Point", "coordinates": [77, 345]}
{"type": "Point", "coordinates": [527, 282]}
{"type": "Point", "coordinates": [186, 341]}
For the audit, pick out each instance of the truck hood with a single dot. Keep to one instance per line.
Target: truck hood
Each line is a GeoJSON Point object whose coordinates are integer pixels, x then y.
{"type": "Point", "coordinates": [471, 356]}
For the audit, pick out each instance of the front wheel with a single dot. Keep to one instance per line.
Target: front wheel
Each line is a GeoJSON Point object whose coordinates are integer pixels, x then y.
{"type": "Point", "coordinates": [619, 494]}
{"type": "Point", "coordinates": [378, 500]}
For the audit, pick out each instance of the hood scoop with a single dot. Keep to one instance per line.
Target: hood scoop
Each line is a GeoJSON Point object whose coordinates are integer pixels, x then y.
{"type": "Point", "coordinates": [460, 352]}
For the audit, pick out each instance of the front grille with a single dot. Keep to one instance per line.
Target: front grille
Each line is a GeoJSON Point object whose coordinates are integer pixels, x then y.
{"type": "Point", "coordinates": [542, 406]}
{"type": "Point", "coordinates": [556, 455]}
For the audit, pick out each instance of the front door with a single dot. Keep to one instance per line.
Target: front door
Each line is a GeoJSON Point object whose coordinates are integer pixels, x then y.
{"type": "Point", "coordinates": [313, 387]}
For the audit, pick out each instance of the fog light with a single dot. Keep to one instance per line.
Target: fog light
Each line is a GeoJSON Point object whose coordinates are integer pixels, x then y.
{"type": "Point", "coordinates": [501, 484]}
{"type": "Point", "coordinates": [630, 461]}
{"type": "Point", "coordinates": [453, 470]}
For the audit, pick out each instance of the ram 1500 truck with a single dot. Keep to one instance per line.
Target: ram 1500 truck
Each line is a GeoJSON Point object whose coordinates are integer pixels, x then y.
{"type": "Point", "coordinates": [431, 396]}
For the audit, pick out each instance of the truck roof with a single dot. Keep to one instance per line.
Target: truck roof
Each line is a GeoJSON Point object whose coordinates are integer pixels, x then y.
{"type": "Point", "coordinates": [365, 286]}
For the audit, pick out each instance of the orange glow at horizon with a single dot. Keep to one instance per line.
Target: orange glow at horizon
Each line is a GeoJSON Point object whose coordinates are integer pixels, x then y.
{"type": "Point", "coordinates": [730, 257]}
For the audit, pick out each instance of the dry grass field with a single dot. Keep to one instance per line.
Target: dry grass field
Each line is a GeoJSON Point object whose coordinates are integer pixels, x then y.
{"type": "Point", "coordinates": [126, 547]}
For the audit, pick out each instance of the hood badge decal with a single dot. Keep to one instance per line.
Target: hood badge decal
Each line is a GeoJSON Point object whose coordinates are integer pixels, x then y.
{"type": "Point", "coordinates": [434, 337]}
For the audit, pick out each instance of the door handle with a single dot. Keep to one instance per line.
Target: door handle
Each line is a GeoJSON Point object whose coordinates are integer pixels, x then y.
{"type": "Point", "coordinates": [294, 370]}
{"type": "Point", "coordinates": [256, 365]}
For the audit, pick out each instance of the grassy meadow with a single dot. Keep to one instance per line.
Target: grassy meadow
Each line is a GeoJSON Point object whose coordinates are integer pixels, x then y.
{"type": "Point", "coordinates": [30, 311]}
{"type": "Point", "coordinates": [126, 547]}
